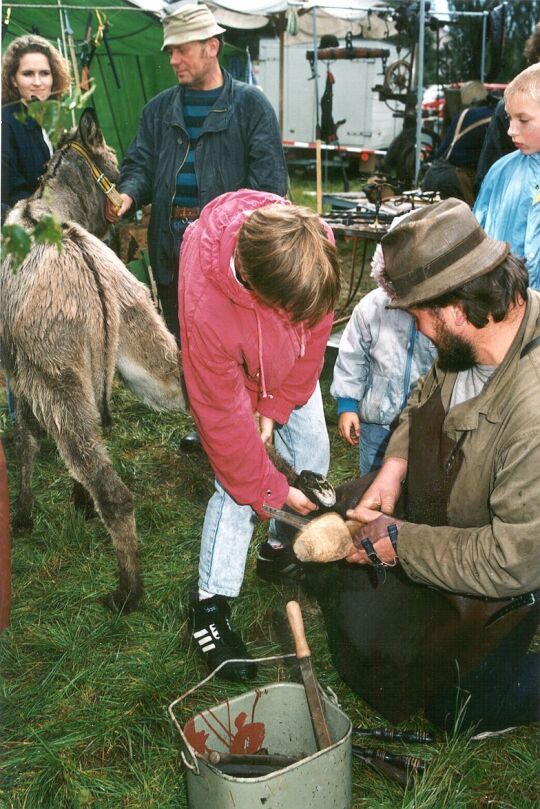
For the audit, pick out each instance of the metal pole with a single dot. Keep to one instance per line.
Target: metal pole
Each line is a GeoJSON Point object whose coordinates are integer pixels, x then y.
{"type": "Point", "coordinates": [65, 53]}
{"type": "Point", "coordinates": [419, 87]}
{"type": "Point", "coordinates": [483, 56]}
{"type": "Point", "coordinates": [315, 74]}
{"type": "Point", "coordinates": [281, 116]}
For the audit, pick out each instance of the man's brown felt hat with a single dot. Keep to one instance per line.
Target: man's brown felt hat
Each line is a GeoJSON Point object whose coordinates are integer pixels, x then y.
{"type": "Point", "coordinates": [436, 249]}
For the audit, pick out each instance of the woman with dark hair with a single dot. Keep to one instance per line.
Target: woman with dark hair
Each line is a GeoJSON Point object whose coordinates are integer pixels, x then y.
{"type": "Point", "coordinates": [32, 69]}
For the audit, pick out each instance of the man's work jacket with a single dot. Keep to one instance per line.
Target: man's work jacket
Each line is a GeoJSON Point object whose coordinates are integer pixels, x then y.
{"type": "Point", "coordinates": [239, 147]}
{"type": "Point", "coordinates": [491, 545]}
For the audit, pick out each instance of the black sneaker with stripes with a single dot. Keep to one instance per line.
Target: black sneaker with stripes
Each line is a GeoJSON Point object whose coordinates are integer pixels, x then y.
{"type": "Point", "coordinates": [279, 564]}
{"type": "Point", "coordinates": [217, 641]}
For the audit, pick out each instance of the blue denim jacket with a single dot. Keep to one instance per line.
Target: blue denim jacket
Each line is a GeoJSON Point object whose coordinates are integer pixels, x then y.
{"type": "Point", "coordinates": [239, 147]}
{"type": "Point", "coordinates": [381, 357]}
{"type": "Point", "coordinates": [508, 207]}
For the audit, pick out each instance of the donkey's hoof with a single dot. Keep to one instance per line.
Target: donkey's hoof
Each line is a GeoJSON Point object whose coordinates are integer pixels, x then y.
{"type": "Point", "coordinates": [21, 523]}
{"type": "Point", "coordinates": [121, 602]}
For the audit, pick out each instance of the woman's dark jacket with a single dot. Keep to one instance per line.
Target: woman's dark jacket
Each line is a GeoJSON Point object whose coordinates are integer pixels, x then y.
{"type": "Point", "coordinates": [24, 155]}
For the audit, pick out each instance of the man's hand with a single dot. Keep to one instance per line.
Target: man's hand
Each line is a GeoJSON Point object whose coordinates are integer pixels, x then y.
{"type": "Point", "coordinates": [383, 493]}
{"type": "Point", "coordinates": [113, 214]}
{"type": "Point", "coordinates": [378, 533]}
{"type": "Point", "coordinates": [298, 501]}
{"type": "Point", "coordinates": [349, 427]}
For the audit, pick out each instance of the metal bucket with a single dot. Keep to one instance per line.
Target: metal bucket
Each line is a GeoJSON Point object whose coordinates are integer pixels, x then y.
{"type": "Point", "coordinates": [274, 717]}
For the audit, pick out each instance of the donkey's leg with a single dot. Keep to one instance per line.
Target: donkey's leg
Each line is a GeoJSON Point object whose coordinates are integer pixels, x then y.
{"type": "Point", "coordinates": [87, 460]}
{"type": "Point", "coordinates": [83, 501]}
{"type": "Point", "coordinates": [27, 441]}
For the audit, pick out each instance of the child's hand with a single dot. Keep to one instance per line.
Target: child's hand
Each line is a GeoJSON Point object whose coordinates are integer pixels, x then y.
{"type": "Point", "coordinates": [349, 427]}
{"type": "Point", "coordinates": [298, 501]}
{"type": "Point", "coordinates": [266, 428]}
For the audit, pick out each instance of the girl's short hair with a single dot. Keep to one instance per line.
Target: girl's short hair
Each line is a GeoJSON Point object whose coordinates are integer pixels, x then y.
{"type": "Point", "coordinates": [526, 83]}
{"type": "Point", "coordinates": [32, 43]}
{"type": "Point", "coordinates": [287, 258]}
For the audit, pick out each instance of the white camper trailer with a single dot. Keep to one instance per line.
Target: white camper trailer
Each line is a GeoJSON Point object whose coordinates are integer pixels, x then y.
{"type": "Point", "coordinates": [369, 122]}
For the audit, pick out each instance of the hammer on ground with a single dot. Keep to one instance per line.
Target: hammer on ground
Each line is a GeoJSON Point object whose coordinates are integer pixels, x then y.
{"type": "Point", "coordinates": [313, 694]}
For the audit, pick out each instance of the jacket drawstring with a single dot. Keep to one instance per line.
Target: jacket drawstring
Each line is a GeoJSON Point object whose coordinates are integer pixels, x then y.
{"type": "Point", "coordinates": [302, 340]}
{"type": "Point", "coordinates": [264, 394]}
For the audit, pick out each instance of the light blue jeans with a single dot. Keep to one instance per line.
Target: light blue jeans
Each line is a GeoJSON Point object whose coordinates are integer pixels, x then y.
{"type": "Point", "coordinates": [228, 527]}
{"type": "Point", "coordinates": [373, 442]}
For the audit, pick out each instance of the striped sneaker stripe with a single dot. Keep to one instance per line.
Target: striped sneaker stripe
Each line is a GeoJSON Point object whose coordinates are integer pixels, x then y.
{"type": "Point", "coordinates": [205, 640]}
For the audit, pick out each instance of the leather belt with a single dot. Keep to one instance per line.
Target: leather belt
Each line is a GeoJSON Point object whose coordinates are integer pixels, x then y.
{"type": "Point", "coordinates": [179, 212]}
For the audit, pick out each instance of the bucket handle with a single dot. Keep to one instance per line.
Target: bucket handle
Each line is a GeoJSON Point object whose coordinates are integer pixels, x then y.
{"type": "Point", "coordinates": [188, 752]}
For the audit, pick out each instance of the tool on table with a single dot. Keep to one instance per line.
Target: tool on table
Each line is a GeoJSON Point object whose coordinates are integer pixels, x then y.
{"type": "Point", "coordinates": [391, 735]}
{"type": "Point", "coordinates": [390, 771]}
{"type": "Point", "coordinates": [409, 763]}
{"type": "Point", "coordinates": [311, 686]}
{"type": "Point", "coordinates": [251, 765]}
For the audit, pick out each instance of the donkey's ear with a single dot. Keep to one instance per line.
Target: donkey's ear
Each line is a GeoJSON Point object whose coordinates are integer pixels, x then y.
{"type": "Point", "coordinates": [89, 131]}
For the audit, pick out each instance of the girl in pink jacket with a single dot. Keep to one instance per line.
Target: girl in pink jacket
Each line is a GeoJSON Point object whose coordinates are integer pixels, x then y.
{"type": "Point", "coordinates": [259, 281]}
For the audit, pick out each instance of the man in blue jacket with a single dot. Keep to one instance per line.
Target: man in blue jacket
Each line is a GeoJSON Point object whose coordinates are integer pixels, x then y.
{"type": "Point", "coordinates": [208, 135]}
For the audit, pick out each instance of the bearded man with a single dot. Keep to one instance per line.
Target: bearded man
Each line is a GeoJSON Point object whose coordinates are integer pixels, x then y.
{"type": "Point", "coordinates": [456, 504]}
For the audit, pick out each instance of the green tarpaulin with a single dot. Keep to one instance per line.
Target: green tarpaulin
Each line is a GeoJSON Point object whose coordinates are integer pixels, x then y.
{"type": "Point", "coordinates": [135, 38]}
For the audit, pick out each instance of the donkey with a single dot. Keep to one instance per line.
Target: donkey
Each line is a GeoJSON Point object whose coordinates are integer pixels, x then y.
{"type": "Point", "coordinates": [68, 319]}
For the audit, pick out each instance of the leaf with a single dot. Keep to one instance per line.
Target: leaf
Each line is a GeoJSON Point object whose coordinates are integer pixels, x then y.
{"type": "Point", "coordinates": [16, 242]}
{"type": "Point", "coordinates": [48, 230]}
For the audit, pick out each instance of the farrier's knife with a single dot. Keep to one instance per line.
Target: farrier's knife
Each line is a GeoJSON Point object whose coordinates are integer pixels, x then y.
{"type": "Point", "coordinates": [289, 517]}
{"type": "Point", "coordinates": [311, 686]}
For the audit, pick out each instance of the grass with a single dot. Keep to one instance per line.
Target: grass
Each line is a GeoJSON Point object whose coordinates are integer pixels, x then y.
{"type": "Point", "coordinates": [84, 693]}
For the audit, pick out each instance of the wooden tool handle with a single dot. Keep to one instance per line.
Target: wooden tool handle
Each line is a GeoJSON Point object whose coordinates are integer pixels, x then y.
{"type": "Point", "coordinates": [294, 614]}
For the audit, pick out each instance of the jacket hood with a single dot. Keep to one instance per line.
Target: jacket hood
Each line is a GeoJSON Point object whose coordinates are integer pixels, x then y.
{"type": "Point", "coordinates": [219, 224]}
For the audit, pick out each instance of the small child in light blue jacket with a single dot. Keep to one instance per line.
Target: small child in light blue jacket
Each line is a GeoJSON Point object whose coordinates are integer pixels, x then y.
{"type": "Point", "coordinates": [381, 356]}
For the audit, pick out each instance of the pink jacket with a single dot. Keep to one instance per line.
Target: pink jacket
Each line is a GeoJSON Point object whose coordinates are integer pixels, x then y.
{"type": "Point", "coordinates": [239, 355]}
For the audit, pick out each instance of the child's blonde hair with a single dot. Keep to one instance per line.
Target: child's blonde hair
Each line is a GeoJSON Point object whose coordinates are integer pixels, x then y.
{"type": "Point", "coordinates": [287, 258]}
{"type": "Point", "coordinates": [526, 83]}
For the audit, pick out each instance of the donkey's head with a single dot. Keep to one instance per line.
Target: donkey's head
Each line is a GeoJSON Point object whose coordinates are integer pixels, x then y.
{"type": "Point", "coordinates": [90, 137]}
{"type": "Point", "coordinates": [82, 158]}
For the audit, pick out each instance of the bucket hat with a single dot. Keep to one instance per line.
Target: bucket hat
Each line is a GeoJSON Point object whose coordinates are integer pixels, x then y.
{"type": "Point", "coordinates": [189, 24]}
{"type": "Point", "coordinates": [436, 249]}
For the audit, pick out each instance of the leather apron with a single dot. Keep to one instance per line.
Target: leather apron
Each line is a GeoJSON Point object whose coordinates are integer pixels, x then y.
{"type": "Point", "coordinates": [434, 463]}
